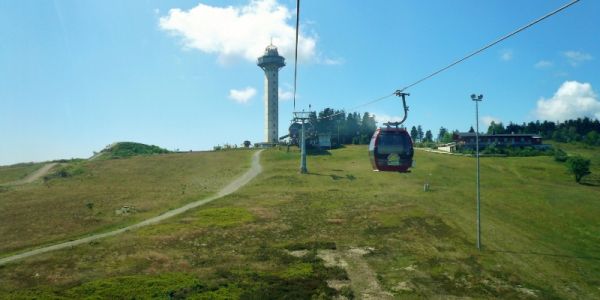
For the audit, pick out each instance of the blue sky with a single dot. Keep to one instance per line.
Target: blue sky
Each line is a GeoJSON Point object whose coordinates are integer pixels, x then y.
{"type": "Point", "coordinates": [78, 75]}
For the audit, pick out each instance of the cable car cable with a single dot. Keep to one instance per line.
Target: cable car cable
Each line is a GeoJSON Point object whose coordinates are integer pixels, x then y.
{"type": "Point", "coordinates": [490, 45]}
{"type": "Point", "coordinates": [296, 52]}
{"type": "Point", "coordinates": [466, 57]}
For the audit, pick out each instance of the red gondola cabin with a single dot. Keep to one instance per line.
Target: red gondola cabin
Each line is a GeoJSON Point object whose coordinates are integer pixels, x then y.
{"type": "Point", "coordinates": [391, 149]}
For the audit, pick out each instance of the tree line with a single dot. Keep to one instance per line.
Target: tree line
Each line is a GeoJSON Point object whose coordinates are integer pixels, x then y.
{"type": "Point", "coordinates": [345, 128]}
{"type": "Point", "coordinates": [583, 130]}
{"type": "Point", "coordinates": [357, 128]}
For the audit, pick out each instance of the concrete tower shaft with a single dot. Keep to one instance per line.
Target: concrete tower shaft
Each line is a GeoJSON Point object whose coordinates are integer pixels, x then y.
{"type": "Point", "coordinates": [271, 62]}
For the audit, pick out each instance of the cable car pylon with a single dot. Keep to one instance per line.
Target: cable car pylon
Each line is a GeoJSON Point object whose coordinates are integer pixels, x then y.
{"type": "Point", "coordinates": [302, 116]}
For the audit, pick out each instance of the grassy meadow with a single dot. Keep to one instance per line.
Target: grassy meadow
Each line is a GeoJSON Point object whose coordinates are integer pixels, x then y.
{"type": "Point", "coordinates": [540, 230]}
{"type": "Point", "coordinates": [89, 194]}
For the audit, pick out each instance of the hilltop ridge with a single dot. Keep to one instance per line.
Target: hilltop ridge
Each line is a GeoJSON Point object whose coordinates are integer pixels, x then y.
{"type": "Point", "coordinates": [128, 149]}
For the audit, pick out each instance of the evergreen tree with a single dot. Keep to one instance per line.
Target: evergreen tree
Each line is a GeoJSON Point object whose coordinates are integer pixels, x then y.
{"type": "Point", "coordinates": [496, 128]}
{"type": "Point", "coordinates": [592, 138]}
{"type": "Point", "coordinates": [352, 129]}
{"type": "Point", "coordinates": [368, 125]}
{"type": "Point", "coordinates": [428, 136]}
{"type": "Point", "coordinates": [442, 133]}
{"type": "Point", "coordinates": [514, 128]}
{"type": "Point", "coordinates": [414, 134]}
{"type": "Point", "coordinates": [447, 138]}
{"type": "Point", "coordinates": [420, 133]}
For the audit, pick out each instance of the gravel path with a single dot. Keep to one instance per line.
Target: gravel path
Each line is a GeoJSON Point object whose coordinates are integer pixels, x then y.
{"type": "Point", "coordinates": [254, 170]}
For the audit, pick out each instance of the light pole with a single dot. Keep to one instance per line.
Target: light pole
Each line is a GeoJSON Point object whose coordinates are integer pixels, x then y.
{"type": "Point", "coordinates": [477, 99]}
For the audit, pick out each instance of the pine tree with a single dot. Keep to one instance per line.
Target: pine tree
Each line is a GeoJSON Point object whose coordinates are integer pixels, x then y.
{"type": "Point", "coordinates": [428, 136]}
{"type": "Point", "coordinates": [414, 134]}
{"type": "Point", "coordinates": [442, 133]}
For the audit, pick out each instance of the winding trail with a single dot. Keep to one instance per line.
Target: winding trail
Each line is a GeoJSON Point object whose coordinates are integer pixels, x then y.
{"type": "Point", "coordinates": [35, 175]}
{"type": "Point", "coordinates": [233, 186]}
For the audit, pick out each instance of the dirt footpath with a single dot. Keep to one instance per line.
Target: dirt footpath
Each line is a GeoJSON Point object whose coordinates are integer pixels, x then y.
{"type": "Point", "coordinates": [37, 174]}
{"type": "Point", "coordinates": [233, 186]}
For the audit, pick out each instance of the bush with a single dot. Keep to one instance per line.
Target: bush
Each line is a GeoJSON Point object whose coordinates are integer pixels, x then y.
{"type": "Point", "coordinates": [560, 155]}
{"type": "Point", "coordinates": [128, 149]}
{"type": "Point", "coordinates": [491, 149]}
{"type": "Point", "coordinates": [579, 166]}
{"type": "Point", "coordinates": [70, 170]}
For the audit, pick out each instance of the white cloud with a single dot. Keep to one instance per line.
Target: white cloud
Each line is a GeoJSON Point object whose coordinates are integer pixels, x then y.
{"type": "Point", "coordinates": [242, 96]}
{"type": "Point", "coordinates": [239, 32]}
{"type": "Point", "coordinates": [576, 58]}
{"type": "Point", "coordinates": [383, 118]}
{"type": "Point", "coordinates": [506, 54]}
{"type": "Point", "coordinates": [487, 120]}
{"type": "Point", "coordinates": [572, 100]}
{"type": "Point", "coordinates": [333, 61]}
{"type": "Point", "coordinates": [543, 64]}
{"type": "Point", "coordinates": [286, 94]}
{"type": "Point", "coordinates": [561, 74]}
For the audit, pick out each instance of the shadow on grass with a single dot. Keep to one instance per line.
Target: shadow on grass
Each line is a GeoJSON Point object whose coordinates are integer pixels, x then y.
{"type": "Point", "coordinates": [334, 176]}
{"type": "Point", "coordinates": [317, 151]}
{"type": "Point", "coordinates": [590, 180]}
{"type": "Point", "coordinates": [545, 254]}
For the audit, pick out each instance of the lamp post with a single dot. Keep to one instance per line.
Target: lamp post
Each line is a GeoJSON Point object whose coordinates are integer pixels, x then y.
{"type": "Point", "coordinates": [477, 99]}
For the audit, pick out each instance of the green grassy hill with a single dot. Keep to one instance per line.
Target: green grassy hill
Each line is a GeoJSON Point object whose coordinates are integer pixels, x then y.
{"type": "Point", "coordinates": [346, 230]}
{"type": "Point", "coordinates": [90, 196]}
{"type": "Point", "coordinates": [129, 149]}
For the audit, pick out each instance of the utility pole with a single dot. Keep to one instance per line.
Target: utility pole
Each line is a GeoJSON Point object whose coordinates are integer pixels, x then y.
{"type": "Point", "coordinates": [477, 99]}
{"type": "Point", "coordinates": [302, 116]}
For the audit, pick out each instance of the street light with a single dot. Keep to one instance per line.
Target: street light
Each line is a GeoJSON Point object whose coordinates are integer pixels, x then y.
{"type": "Point", "coordinates": [477, 99]}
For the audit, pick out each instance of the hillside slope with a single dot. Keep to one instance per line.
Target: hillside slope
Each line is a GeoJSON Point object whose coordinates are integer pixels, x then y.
{"type": "Point", "coordinates": [344, 229]}
{"type": "Point", "coordinates": [88, 196]}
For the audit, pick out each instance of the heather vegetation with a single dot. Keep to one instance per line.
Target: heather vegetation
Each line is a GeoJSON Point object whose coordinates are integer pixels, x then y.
{"type": "Point", "coordinates": [128, 149]}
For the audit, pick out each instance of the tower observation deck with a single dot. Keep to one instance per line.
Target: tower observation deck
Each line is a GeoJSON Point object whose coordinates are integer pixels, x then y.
{"type": "Point", "coordinates": [271, 62]}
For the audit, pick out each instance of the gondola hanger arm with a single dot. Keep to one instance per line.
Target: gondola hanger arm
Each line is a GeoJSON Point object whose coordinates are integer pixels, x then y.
{"type": "Point", "coordinates": [402, 95]}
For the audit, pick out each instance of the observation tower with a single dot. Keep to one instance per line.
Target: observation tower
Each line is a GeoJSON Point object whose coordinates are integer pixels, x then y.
{"type": "Point", "coordinates": [271, 62]}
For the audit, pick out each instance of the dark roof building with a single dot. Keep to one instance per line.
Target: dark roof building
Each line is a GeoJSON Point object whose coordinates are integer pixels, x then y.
{"type": "Point", "coordinates": [467, 140]}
